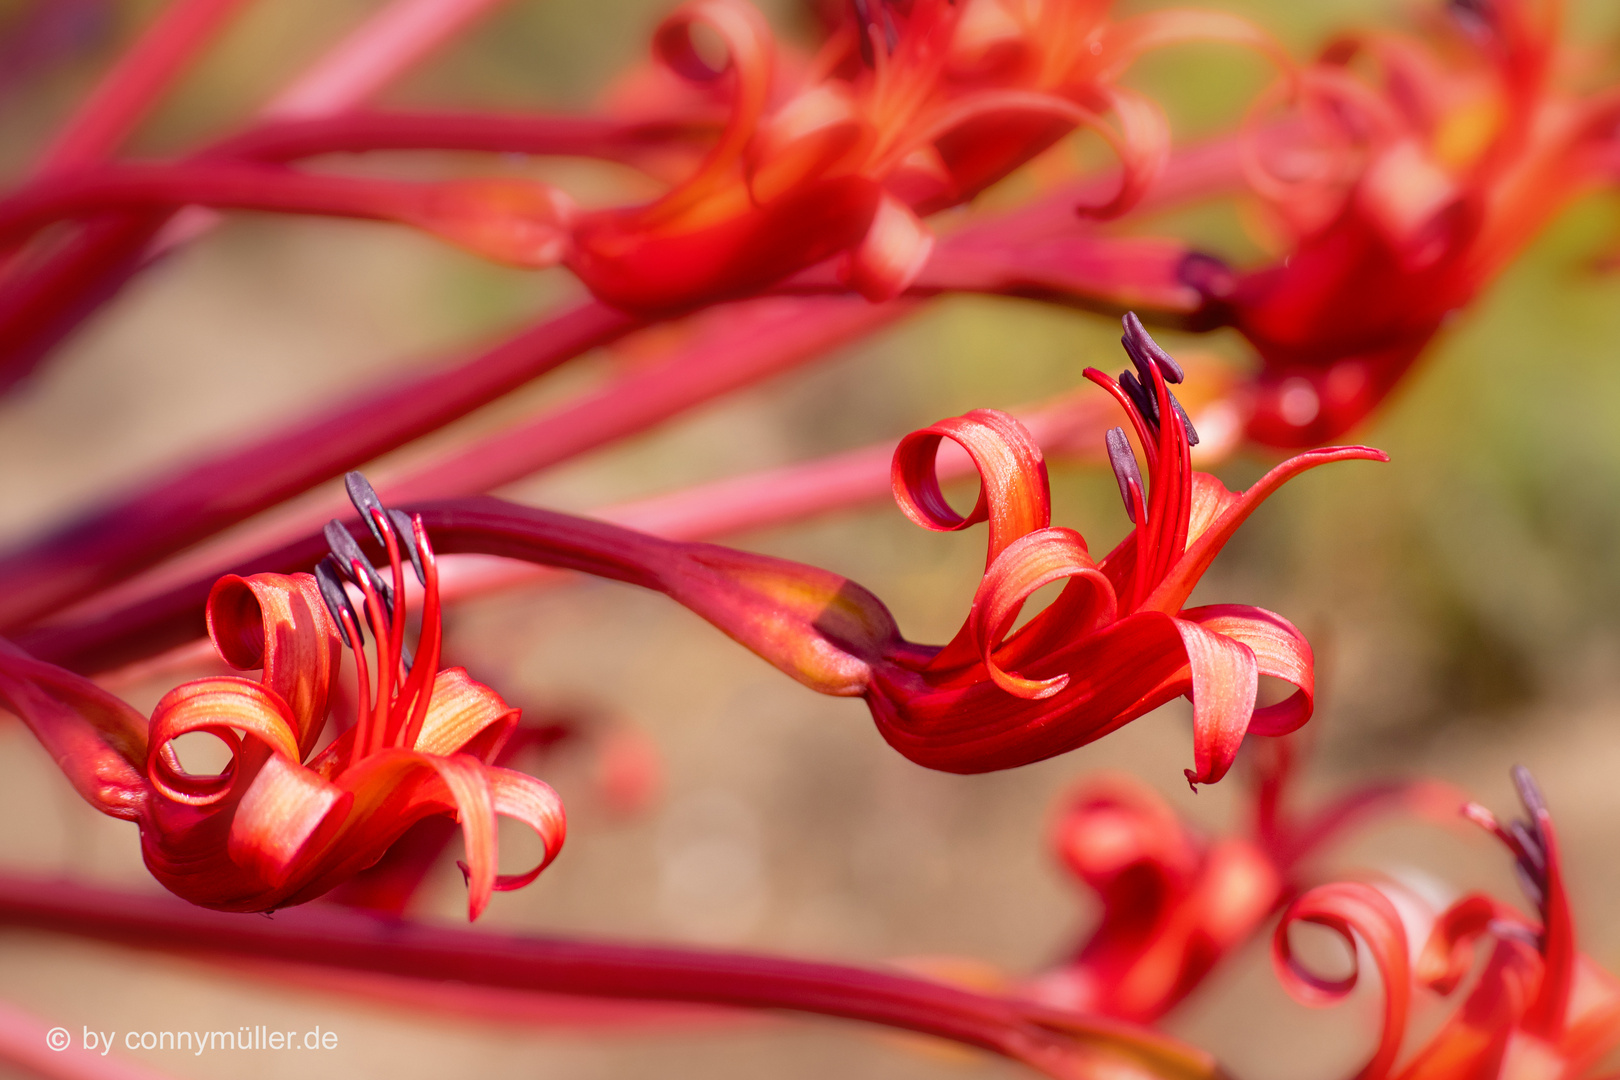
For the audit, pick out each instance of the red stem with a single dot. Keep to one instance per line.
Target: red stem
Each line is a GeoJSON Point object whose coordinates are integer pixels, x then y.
{"type": "Point", "coordinates": [151, 522]}
{"type": "Point", "coordinates": [218, 184]}
{"type": "Point", "coordinates": [341, 940]}
{"type": "Point", "coordinates": [127, 93]}
{"type": "Point", "coordinates": [41, 308]}
{"type": "Point", "coordinates": [772, 497]}
{"type": "Point", "coordinates": [112, 544]}
{"type": "Point", "coordinates": [361, 132]}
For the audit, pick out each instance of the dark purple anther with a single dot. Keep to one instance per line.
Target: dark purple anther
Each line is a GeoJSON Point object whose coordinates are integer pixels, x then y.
{"type": "Point", "coordinates": [1141, 397]}
{"type": "Point", "coordinates": [406, 531]}
{"type": "Point", "coordinates": [365, 500]}
{"type": "Point", "coordinates": [346, 553]}
{"type": "Point", "coordinates": [1126, 471]}
{"type": "Point", "coordinates": [330, 582]}
{"type": "Point", "coordinates": [1529, 793]}
{"type": "Point", "coordinates": [1186, 421]}
{"type": "Point", "coordinates": [1143, 350]}
{"type": "Point", "coordinates": [1213, 279]}
{"type": "Point", "coordinates": [863, 31]}
{"type": "Point", "coordinates": [891, 34]}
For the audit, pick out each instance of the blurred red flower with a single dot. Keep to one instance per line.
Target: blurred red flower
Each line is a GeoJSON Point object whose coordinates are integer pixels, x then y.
{"type": "Point", "coordinates": [1410, 172]}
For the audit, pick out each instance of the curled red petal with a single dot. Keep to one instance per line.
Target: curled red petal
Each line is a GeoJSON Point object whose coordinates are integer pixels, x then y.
{"type": "Point", "coordinates": [809, 135]}
{"type": "Point", "coordinates": [748, 62]}
{"type": "Point", "coordinates": [891, 255]}
{"type": "Point", "coordinates": [1225, 680]}
{"type": "Point", "coordinates": [683, 264]}
{"type": "Point", "coordinates": [523, 798]}
{"type": "Point", "coordinates": [1280, 651]}
{"type": "Point", "coordinates": [279, 622]}
{"type": "Point", "coordinates": [1143, 146]}
{"type": "Point", "coordinates": [464, 714]}
{"type": "Point", "coordinates": [225, 707]}
{"type": "Point", "coordinates": [1448, 955]}
{"type": "Point", "coordinates": [1028, 564]}
{"type": "Point", "coordinates": [1173, 591]}
{"type": "Point", "coordinates": [1014, 493]}
{"type": "Point", "coordinates": [280, 816]}
{"type": "Point", "coordinates": [1351, 909]}
{"type": "Point", "coordinates": [467, 780]}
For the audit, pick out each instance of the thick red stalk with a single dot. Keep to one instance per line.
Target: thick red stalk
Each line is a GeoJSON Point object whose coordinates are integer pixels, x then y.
{"type": "Point", "coordinates": [365, 131]}
{"type": "Point", "coordinates": [127, 93]}
{"type": "Point", "coordinates": [786, 333]}
{"type": "Point", "coordinates": [1046, 1039]}
{"type": "Point", "coordinates": [218, 184]}
{"type": "Point", "coordinates": [150, 523]}
{"type": "Point", "coordinates": [771, 497]}
{"type": "Point", "coordinates": [753, 344]}
{"type": "Point", "coordinates": [39, 308]}
{"type": "Point", "coordinates": [392, 41]}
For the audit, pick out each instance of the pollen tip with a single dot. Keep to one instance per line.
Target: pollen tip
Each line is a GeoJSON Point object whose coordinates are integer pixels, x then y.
{"type": "Point", "coordinates": [328, 580]}
{"type": "Point", "coordinates": [1144, 351]}
{"type": "Point", "coordinates": [365, 500]}
{"type": "Point", "coordinates": [407, 537]}
{"type": "Point", "coordinates": [1529, 792]}
{"type": "Point", "coordinates": [1126, 469]}
{"type": "Point", "coordinates": [1192, 780]}
{"type": "Point", "coordinates": [1186, 421]}
{"type": "Point", "coordinates": [1143, 399]}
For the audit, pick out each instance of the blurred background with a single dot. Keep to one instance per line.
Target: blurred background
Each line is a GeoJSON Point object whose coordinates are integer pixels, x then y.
{"type": "Point", "coordinates": [1464, 600]}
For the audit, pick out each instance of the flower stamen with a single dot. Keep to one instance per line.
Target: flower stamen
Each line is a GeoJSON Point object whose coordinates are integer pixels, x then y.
{"type": "Point", "coordinates": [392, 710]}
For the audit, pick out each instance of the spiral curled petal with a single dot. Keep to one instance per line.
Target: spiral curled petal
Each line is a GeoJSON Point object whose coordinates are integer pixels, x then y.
{"type": "Point", "coordinates": [1029, 563]}
{"type": "Point", "coordinates": [1351, 909]}
{"type": "Point", "coordinates": [280, 623]}
{"type": "Point", "coordinates": [747, 63]}
{"type": "Point", "coordinates": [1280, 651]}
{"type": "Point", "coordinates": [1225, 680]}
{"type": "Point", "coordinates": [465, 715]}
{"type": "Point", "coordinates": [1014, 493]}
{"type": "Point", "coordinates": [228, 708]}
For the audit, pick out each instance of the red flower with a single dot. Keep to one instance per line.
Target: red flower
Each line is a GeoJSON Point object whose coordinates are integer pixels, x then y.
{"type": "Point", "coordinates": [1176, 902]}
{"type": "Point", "coordinates": [282, 824]}
{"type": "Point", "coordinates": [1538, 1009]}
{"type": "Point", "coordinates": [1407, 197]}
{"type": "Point", "coordinates": [910, 108]}
{"type": "Point", "coordinates": [1117, 642]}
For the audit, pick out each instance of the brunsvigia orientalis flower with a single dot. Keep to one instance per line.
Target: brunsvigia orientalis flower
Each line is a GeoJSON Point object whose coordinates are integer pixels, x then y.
{"type": "Point", "coordinates": [1175, 901]}
{"type": "Point", "coordinates": [1117, 642]}
{"type": "Point", "coordinates": [909, 108]}
{"type": "Point", "coordinates": [1539, 1008]}
{"type": "Point", "coordinates": [284, 822]}
{"type": "Point", "coordinates": [1411, 172]}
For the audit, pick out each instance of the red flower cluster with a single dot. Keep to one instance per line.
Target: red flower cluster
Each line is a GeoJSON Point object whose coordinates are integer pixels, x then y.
{"type": "Point", "coordinates": [1412, 172]}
